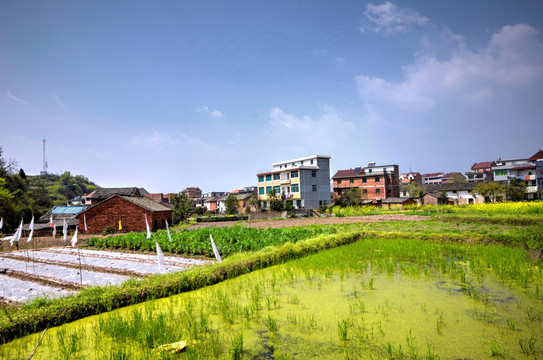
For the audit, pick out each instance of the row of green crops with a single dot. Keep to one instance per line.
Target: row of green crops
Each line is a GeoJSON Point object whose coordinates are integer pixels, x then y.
{"type": "Point", "coordinates": [529, 210]}
{"type": "Point", "coordinates": [229, 240]}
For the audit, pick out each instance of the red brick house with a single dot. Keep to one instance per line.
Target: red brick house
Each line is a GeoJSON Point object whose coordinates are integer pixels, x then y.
{"type": "Point", "coordinates": [376, 182]}
{"type": "Point", "coordinates": [130, 210]}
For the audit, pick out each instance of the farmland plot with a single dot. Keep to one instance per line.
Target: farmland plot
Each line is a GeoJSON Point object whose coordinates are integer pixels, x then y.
{"type": "Point", "coordinates": [58, 271]}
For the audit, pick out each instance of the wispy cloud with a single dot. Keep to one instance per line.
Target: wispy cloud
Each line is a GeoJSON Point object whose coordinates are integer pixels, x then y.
{"type": "Point", "coordinates": [60, 103]}
{"type": "Point", "coordinates": [156, 140]}
{"type": "Point", "coordinates": [329, 127]}
{"type": "Point", "coordinates": [213, 113]}
{"type": "Point", "coordinates": [388, 18]}
{"type": "Point", "coordinates": [16, 99]}
{"type": "Point", "coordinates": [513, 57]}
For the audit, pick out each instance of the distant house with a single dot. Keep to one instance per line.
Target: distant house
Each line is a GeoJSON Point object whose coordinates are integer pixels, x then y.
{"type": "Point", "coordinates": [410, 177]}
{"type": "Point", "coordinates": [481, 172]}
{"type": "Point", "coordinates": [210, 203]}
{"type": "Point", "coordinates": [393, 202]}
{"type": "Point", "coordinates": [129, 210]}
{"type": "Point", "coordinates": [376, 182]}
{"type": "Point", "coordinates": [105, 193]}
{"type": "Point", "coordinates": [432, 178]}
{"type": "Point", "coordinates": [241, 205]}
{"type": "Point", "coordinates": [193, 192]}
{"type": "Point", "coordinates": [453, 177]}
{"type": "Point", "coordinates": [456, 193]}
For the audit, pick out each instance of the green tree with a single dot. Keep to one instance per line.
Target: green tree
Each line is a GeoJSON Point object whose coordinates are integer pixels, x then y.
{"type": "Point", "coordinates": [182, 205]}
{"type": "Point", "coordinates": [253, 202]}
{"type": "Point", "coordinates": [443, 198]}
{"type": "Point", "coordinates": [415, 191]}
{"type": "Point", "coordinates": [277, 202]}
{"type": "Point", "coordinates": [350, 197]}
{"type": "Point", "coordinates": [231, 204]}
{"type": "Point", "coordinates": [491, 191]}
{"type": "Point", "coordinates": [516, 190]}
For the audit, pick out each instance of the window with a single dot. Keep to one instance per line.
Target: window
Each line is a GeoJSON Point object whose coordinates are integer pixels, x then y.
{"type": "Point", "coordinates": [378, 191]}
{"type": "Point", "coordinates": [339, 182]}
{"type": "Point", "coordinates": [324, 203]}
{"type": "Point", "coordinates": [260, 191]}
{"type": "Point", "coordinates": [501, 173]}
{"type": "Point", "coordinates": [268, 189]}
{"type": "Point", "coordinates": [364, 191]}
{"type": "Point", "coordinates": [294, 174]}
{"type": "Point", "coordinates": [311, 161]}
{"type": "Point", "coordinates": [313, 173]}
{"type": "Point", "coordinates": [268, 177]}
{"type": "Point", "coordinates": [370, 171]}
{"type": "Point", "coordinates": [261, 178]}
{"type": "Point", "coordinates": [377, 179]}
{"type": "Point", "coordinates": [302, 162]}
{"type": "Point", "coordinates": [277, 189]}
{"type": "Point", "coordinates": [294, 188]}
{"type": "Point", "coordinates": [276, 176]}
{"type": "Point", "coordinates": [364, 180]}
{"type": "Point", "coordinates": [314, 187]}
{"type": "Point", "coordinates": [351, 181]}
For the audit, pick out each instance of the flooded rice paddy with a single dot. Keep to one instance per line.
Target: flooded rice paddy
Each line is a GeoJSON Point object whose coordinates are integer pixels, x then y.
{"type": "Point", "coordinates": [375, 299]}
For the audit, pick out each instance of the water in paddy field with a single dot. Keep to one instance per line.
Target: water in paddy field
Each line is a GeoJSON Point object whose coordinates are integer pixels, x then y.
{"type": "Point", "coordinates": [337, 304]}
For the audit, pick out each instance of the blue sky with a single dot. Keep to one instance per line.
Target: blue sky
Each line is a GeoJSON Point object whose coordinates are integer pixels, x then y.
{"type": "Point", "coordinates": [170, 94]}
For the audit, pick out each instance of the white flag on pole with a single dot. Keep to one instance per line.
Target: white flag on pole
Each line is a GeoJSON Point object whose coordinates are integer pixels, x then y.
{"type": "Point", "coordinates": [17, 235]}
{"type": "Point", "coordinates": [1, 223]}
{"type": "Point", "coordinates": [31, 228]}
{"type": "Point", "coordinates": [160, 256]}
{"type": "Point", "coordinates": [147, 226]}
{"type": "Point", "coordinates": [74, 238]}
{"type": "Point", "coordinates": [64, 230]}
{"type": "Point", "coordinates": [51, 222]}
{"type": "Point", "coordinates": [54, 230]}
{"type": "Point", "coordinates": [85, 222]}
{"type": "Point", "coordinates": [168, 230]}
{"type": "Point", "coordinates": [215, 251]}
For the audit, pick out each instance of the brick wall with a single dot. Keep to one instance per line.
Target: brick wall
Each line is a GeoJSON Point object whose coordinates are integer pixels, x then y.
{"type": "Point", "coordinates": [108, 213]}
{"type": "Point", "coordinates": [387, 186]}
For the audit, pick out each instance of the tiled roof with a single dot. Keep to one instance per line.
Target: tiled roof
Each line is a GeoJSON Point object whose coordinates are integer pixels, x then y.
{"type": "Point", "coordinates": [146, 203]}
{"type": "Point", "coordinates": [105, 193]}
{"type": "Point", "coordinates": [395, 200]}
{"type": "Point", "coordinates": [450, 175]}
{"type": "Point", "coordinates": [537, 156]}
{"type": "Point", "coordinates": [347, 173]}
{"type": "Point", "coordinates": [436, 188]}
{"type": "Point", "coordinates": [482, 165]}
{"type": "Point", "coordinates": [433, 174]}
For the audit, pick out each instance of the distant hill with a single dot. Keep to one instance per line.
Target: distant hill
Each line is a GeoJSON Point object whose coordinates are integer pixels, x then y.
{"type": "Point", "coordinates": [61, 188]}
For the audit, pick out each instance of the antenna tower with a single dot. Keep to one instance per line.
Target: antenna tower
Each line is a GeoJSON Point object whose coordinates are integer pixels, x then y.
{"type": "Point", "coordinates": [44, 171]}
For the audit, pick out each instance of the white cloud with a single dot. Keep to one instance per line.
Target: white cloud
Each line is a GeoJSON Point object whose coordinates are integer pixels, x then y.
{"type": "Point", "coordinates": [157, 140]}
{"type": "Point", "coordinates": [389, 19]}
{"type": "Point", "coordinates": [512, 58]}
{"type": "Point", "coordinates": [60, 103]}
{"type": "Point", "coordinates": [213, 113]}
{"type": "Point", "coordinates": [329, 128]}
{"type": "Point", "coordinates": [16, 99]}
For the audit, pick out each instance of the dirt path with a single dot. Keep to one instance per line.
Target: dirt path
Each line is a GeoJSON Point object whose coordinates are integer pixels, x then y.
{"type": "Point", "coordinates": [312, 221]}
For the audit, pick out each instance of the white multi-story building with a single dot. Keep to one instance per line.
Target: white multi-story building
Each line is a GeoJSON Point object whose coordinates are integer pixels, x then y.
{"type": "Point", "coordinates": [304, 181]}
{"type": "Point", "coordinates": [530, 170]}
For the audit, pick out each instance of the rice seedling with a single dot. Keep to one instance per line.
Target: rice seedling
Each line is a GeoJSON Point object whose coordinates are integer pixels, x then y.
{"type": "Point", "coordinates": [528, 346]}
{"type": "Point", "coordinates": [236, 349]}
{"type": "Point", "coordinates": [343, 329]}
{"type": "Point", "coordinates": [495, 349]}
{"type": "Point", "coordinates": [271, 324]}
{"type": "Point", "coordinates": [511, 324]}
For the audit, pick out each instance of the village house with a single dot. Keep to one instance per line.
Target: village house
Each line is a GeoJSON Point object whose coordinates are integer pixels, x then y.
{"type": "Point", "coordinates": [481, 172]}
{"type": "Point", "coordinates": [304, 181]}
{"type": "Point", "coordinates": [432, 178]}
{"type": "Point", "coordinates": [455, 193]}
{"type": "Point", "coordinates": [128, 211]}
{"type": "Point", "coordinates": [453, 177]}
{"type": "Point", "coordinates": [529, 170]}
{"type": "Point", "coordinates": [411, 177]}
{"type": "Point", "coordinates": [377, 182]}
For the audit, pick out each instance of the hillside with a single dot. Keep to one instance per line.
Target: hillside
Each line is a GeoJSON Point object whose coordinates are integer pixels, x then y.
{"type": "Point", "coordinates": [60, 188]}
